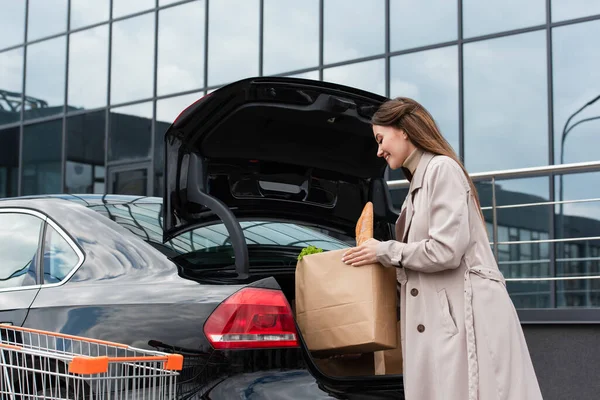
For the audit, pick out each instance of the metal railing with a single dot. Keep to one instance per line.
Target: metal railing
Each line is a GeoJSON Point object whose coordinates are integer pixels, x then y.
{"type": "Point", "coordinates": [554, 241]}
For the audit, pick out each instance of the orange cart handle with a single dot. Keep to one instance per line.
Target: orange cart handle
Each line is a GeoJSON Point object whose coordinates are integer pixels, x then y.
{"type": "Point", "coordinates": [97, 365]}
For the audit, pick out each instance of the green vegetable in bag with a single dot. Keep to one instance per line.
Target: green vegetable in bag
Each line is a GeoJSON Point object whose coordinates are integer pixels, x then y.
{"type": "Point", "coordinates": [309, 250]}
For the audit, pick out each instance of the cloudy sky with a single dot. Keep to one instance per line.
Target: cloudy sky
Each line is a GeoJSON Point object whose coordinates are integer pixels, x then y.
{"type": "Point", "coordinates": [505, 79]}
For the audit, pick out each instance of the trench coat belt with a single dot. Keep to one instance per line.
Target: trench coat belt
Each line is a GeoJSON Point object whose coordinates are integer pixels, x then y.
{"type": "Point", "coordinates": [472, 366]}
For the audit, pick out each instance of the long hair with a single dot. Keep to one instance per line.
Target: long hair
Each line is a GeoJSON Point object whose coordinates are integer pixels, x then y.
{"type": "Point", "coordinates": [414, 120]}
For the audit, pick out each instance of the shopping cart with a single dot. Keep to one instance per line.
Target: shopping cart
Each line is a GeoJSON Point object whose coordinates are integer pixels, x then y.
{"type": "Point", "coordinates": [44, 365]}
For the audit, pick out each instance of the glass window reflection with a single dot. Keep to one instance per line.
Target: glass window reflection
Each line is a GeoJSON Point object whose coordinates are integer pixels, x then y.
{"type": "Point", "coordinates": [368, 75]}
{"type": "Point", "coordinates": [132, 59]}
{"type": "Point", "coordinates": [85, 13]}
{"type": "Point", "coordinates": [290, 24]}
{"type": "Point", "coordinates": [314, 75]}
{"type": "Point", "coordinates": [353, 29]}
{"type": "Point", "coordinates": [521, 191]}
{"type": "Point", "coordinates": [485, 17]}
{"type": "Point", "coordinates": [181, 48]}
{"type": "Point", "coordinates": [129, 136]}
{"type": "Point", "coordinates": [126, 7]}
{"type": "Point", "coordinates": [411, 23]}
{"type": "Point", "coordinates": [571, 9]}
{"type": "Point", "coordinates": [84, 171]}
{"type": "Point", "coordinates": [46, 18]}
{"type": "Point", "coordinates": [506, 104]}
{"type": "Point", "coordinates": [577, 221]}
{"type": "Point", "coordinates": [19, 239]}
{"type": "Point", "coordinates": [11, 81]}
{"type": "Point", "coordinates": [431, 78]}
{"type": "Point", "coordinates": [576, 81]}
{"type": "Point", "coordinates": [59, 257]}
{"type": "Point", "coordinates": [166, 112]}
{"type": "Point", "coordinates": [88, 62]}
{"type": "Point", "coordinates": [233, 47]}
{"type": "Point", "coordinates": [45, 77]}
{"type": "Point", "coordinates": [12, 23]}
{"type": "Point", "coordinates": [9, 162]}
{"type": "Point", "coordinates": [42, 158]}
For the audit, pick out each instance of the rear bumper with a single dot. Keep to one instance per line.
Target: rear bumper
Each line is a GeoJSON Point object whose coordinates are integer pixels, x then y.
{"type": "Point", "coordinates": [268, 385]}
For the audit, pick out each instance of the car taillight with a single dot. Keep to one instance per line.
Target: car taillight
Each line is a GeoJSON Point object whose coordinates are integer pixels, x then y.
{"type": "Point", "coordinates": [252, 318]}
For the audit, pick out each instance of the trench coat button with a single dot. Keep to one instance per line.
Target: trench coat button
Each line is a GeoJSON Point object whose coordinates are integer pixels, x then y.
{"type": "Point", "coordinates": [420, 327]}
{"type": "Point", "coordinates": [414, 292]}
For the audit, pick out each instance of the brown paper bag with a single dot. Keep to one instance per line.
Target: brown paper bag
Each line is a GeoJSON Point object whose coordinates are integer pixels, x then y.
{"type": "Point", "coordinates": [342, 309]}
{"type": "Point", "coordinates": [389, 362]}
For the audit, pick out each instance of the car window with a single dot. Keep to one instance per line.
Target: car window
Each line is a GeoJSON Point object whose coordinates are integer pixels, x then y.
{"type": "Point", "coordinates": [59, 257]}
{"type": "Point", "coordinates": [19, 239]}
{"type": "Point", "coordinates": [145, 221]}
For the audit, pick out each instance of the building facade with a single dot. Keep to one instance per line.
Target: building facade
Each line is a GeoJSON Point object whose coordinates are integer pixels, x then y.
{"type": "Point", "coordinates": [88, 88]}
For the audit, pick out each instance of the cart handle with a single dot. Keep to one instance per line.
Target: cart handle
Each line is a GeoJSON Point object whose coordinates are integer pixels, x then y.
{"type": "Point", "coordinates": [97, 365]}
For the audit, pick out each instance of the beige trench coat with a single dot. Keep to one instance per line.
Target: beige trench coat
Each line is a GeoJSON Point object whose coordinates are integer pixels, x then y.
{"type": "Point", "coordinates": [460, 333]}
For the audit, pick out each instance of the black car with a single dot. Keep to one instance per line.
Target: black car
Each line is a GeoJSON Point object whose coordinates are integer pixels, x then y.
{"type": "Point", "coordinates": [254, 172]}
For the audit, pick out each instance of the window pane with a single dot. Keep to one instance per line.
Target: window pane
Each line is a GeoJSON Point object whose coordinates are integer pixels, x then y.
{"type": "Point", "coordinates": [579, 256]}
{"type": "Point", "coordinates": [166, 112]}
{"type": "Point", "coordinates": [314, 75]}
{"type": "Point", "coordinates": [59, 257]}
{"type": "Point", "coordinates": [571, 9]}
{"type": "Point", "coordinates": [85, 153]}
{"type": "Point", "coordinates": [42, 148]}
{"type": "Point", "coordinates": [45, 78]}
{"type": "Point", "coordinates": [85, 12]}
{"type": "Point", "coordinates": [233, 47]}
{"type": "Point", "coordinates": [483, 17]}
{"type": "Point", "coordinates": [19, 238]}
{"type": "Point", "coordinates": [46, 17]}
{"type": "Point", "coordinates": [88, 62]}
{"type": "Point", "coordinates": [9, 162]}
{"type": "Point", "coordinates": [126, 7]}
{"type": "Point", "coordinates": [132, 59]}
{"type": "Point", "coordinates": [576, 81]}
{"type": "Point", "coordinates": [411, 23]}
{"type": "Point", "coordinates": [506, 103]}
{"type": "Point", "coordinates": [290, 24]}
{"type": "Point", "coordinates": [521, 191]}
{"type": "Point", "coordinates": [130, 132]}
{"type": "Point", "coordinates": [11, 80]}
{"type": "Point", "coordinates": [431, 78]}
{"type": "Point", "coordinates": [353, 29]}
{"type": "Point", "coordinates": [12, 23]}
{"type": "Point", "coordinates": [582, 218]}
{"type": "Point", "coordinates": [369, 75]}
{"type": "Point", "coordinates": [181, 48]}
{"type": "Point", "coordinates": [530, 294]}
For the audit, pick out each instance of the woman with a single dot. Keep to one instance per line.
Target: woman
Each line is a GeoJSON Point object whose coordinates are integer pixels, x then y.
{"type": "Point", "coordinates": [460, 334]}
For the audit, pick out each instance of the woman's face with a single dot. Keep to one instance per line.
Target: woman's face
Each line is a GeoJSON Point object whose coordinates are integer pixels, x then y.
{"type": "Point", "coordinates": [394, 145]}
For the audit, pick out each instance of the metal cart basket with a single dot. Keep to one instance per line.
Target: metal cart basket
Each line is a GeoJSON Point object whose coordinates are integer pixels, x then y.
{"type": "Point", "coordinates": [44, 365]}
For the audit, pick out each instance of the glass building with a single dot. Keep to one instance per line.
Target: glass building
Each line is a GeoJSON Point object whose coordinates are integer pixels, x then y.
{"type": "Point", "coordinates": [88, 88]}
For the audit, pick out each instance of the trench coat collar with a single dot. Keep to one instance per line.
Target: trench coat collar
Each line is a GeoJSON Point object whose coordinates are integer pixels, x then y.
{"type": "Point", "coordinates": [419, 174]}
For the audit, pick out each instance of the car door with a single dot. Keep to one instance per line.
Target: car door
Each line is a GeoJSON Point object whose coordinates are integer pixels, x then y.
{"type": "Point", "coordinates": [20, 234]}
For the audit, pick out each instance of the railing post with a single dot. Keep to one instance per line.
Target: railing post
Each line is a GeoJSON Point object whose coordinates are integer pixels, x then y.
{"type": "Point", "coordinates": [494, 219]}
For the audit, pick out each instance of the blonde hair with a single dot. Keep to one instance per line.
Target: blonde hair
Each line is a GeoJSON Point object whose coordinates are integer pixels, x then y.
{"type": "Point", "coordinates": [414, 120]}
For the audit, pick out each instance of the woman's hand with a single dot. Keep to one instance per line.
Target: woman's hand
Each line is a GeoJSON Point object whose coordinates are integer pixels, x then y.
{"type": "Point", "coordinates": [364, 254]}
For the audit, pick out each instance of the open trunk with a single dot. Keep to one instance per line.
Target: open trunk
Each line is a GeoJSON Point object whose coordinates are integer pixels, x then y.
{"type": "Point", "coordinates": [278, 150]}
{"type": "Point", "coordinates": [278, 263]}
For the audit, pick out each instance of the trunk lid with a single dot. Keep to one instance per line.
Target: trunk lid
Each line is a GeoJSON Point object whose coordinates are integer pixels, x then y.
{"type": "Point", "coordinates": [278, 148]}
